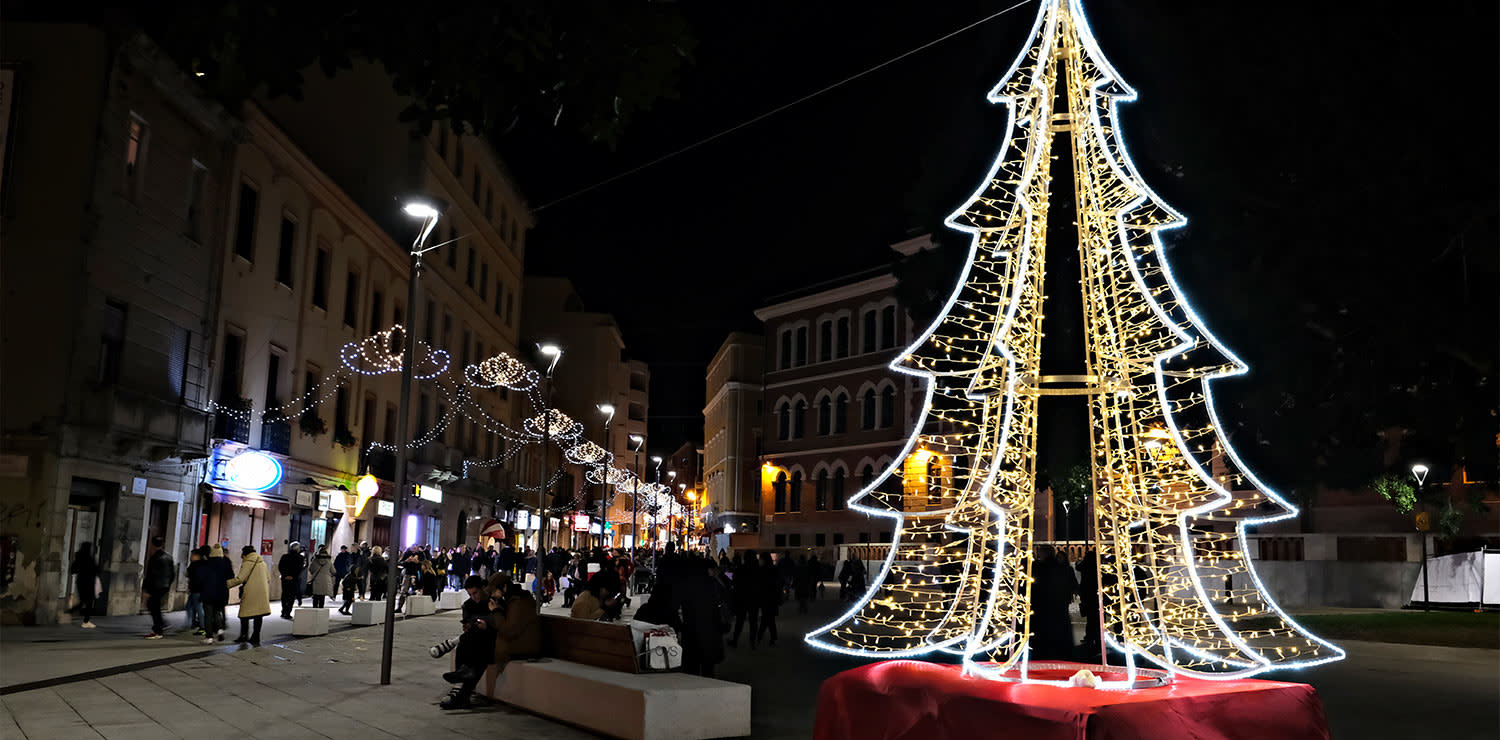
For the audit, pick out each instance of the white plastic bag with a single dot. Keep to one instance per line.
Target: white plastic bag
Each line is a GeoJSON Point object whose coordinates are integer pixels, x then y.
{"type": "Point", "coordinates": [663, 651]}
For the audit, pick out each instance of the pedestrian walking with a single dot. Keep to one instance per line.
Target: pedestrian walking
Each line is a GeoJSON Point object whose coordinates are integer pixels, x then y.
{"type": "Point", "coordinates": [85, 570]}
{"type": "Point", "coordinates": [290, 567]}
{"type": "Point", "coordinates": [700, 599]}
{"type": "Point", "coordinates": [320, 575]}
{"type": "Point", "coordinates": [342, 564]}
{"type": "Point", "coordinates": [305, 583]}
{"type": "Point", "coordinates": [804, 581]}
{"type": "Point", "coordinates": [379, 574]}
{"type": "Point", "coordinates": [745, 588]}
{"type": "Point", "coordinates": [851, 578]}
{"type": "Point", "coordinates": [217, 572]}
{"type": "Point", "coordinates": [1052, 590]}
{"type": "Point", "coordinates": [771, 593]}
{"type": "Point", "coordinates": [195, 575]}
{"type": "Point", "coordinates": [255, 594]}
{"type": "Point", "coordinates": [160, 574]}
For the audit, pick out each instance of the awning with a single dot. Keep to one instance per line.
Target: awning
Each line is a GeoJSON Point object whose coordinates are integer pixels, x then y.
{"type": "Point", "coordinates": [247, 500]}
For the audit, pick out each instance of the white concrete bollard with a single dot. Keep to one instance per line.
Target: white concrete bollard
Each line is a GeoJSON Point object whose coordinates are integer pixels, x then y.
{"type": "Point", "coordinates": [310, 621]}
{"type": "Point", "coordinates": [368, 613]}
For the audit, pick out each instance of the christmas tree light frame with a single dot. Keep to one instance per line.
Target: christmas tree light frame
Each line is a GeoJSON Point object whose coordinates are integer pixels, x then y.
{"type": "Point", "coordinates": [1137, 473]}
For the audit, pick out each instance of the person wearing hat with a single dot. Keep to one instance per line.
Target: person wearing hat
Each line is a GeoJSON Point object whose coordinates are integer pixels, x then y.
{"type": "Point", "coordinates": [217, 572]}
{"type": "Point", "coordinates": [255, 597]}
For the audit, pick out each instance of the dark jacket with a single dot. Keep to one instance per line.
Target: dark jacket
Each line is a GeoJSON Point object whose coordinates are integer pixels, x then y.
{"type": "Point", "coordinates": [197, 573]}
{"type": "Point", "coordinates": [290, 565]}
{"type": "Point", "coordinates": [217, 573]}
{"type": "Point", "coordinates": [699, 598]}
{"type": "Point", "coordinates": [85, 570]}
{"type": "Point", "coordinates": [161, 572]}
{"type": "Point", "coordinates": [379, 570]}
{"type": "Point", "coordinates": [342, 563]}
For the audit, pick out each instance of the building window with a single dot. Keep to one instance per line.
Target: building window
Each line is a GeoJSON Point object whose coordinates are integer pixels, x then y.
{"type": "Point", "coordinates": [887, 407]}
{"type": "Point", "coordinates": [489, 204]}
{"type": "Point", "coordinates": [367, 421]}
{"type": "Point", "coordinates": [885, 536]}
{"type": "Point", "coordinates": [499, 293]}
{"type": "Point", "coordinates": [794, 539]}
{"type": "Point", "coordinates": [484, 280]}
{"type": "Point", "coordinates": [867, 415]}
{"type": "Point", "coordinates": [864, 538]}
{"type": "Point", "coordinates": [341, 409]}
{"type": "Point", "coordinates": [377, 311]}
{"type": "Point", "coordinates": [388, 428]}
{"type": "Point", "coordinates": [111, 341]}
{"type": "Point", "coordinates": [447, 337]}
{"type": "Point", "coordinates": [867, 333]}
{"type": "Point", "coordinates": [820, 491]}
{"type": "Point", "coordinates": [440, 425]}
{"type": "Point", "coordinates": [781, 540]}
{"type": "Point", "coordinates": [464, 349]}
{"type": "Point", "coordinates": [825, 341]}
{"type": "Point", "coordinates": [196, 186]}
{"type": "Point", "coordinates": [311, 379]}
{"type": "Point", "coordinates": [778, 487]}
{"type": "Point", "coordinates": [244, 229]}
{"type": "Point", "coordinates": [866, 477]}
{"type": "Point", "coordinates": [450, 247]}
{"type": "Point", "coordinates": [841, 338]}
{"type": "Point", "coordinates": [351, 299]}
{"type": "Point", "coordinates": [887, 327]}
{"type": "Point", "coordinates": [786, 348]}
{"type": "Point", "coordinates": [825, 416]}
{"type": "Point", "coordinates": [475, 192]}
{"type": "Point", "coordinates": [443, 142]}
{"type": "Point", "coordinates": [469, 273]}
{"type": "Point", "coordinates": [801, 346]}
{"type": "Point", "coordinates": [839, 493]}
{"type": "Point", "coordinates": [231, 368]}
{"type": "Point", "coordinates": [320, 279]}
{"type": "Point", "coordinates": [838, 538]}
{"type": "Point", "coordinates": [285, 251]}
{"type": "Point", "coordinates": [784, 421]}
{"type": "Point", "coordinates": [458, 159]}
{"type": "Point", "coordinates": [424, 410]}
{"type": "Point", "coordinates": [820, 539]}
{"type": "Point", "coordinates": [841, 413]}
{"type": "Point", "coordinates": [799, 417]}
{"type": "Point", "coordinates": [510, 304]}
{"type": "Point", "coordinates": [794, 497]}
{"type": "Point", "coordinates": [137, 138]}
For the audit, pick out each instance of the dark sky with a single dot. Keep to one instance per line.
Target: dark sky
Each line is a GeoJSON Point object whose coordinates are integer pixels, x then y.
{"type": "Point", "coordinates": [1247, 111]}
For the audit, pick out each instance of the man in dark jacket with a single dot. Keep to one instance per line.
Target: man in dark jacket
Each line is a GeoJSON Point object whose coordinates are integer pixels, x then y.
{"type": "Point", "coordinates": [290, 567]}
{"type": "Point", "coordinates": [341, 566]}
{"type": "Point", "coordinates": [700, 599]}
{"type": "Point", "coordinates": [161, 573]}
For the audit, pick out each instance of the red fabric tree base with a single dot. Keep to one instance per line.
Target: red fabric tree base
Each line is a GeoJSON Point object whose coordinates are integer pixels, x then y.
{"type": "Point", "coordinates": [912, 700]}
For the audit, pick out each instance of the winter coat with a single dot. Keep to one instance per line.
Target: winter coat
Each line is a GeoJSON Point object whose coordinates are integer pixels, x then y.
{"type": "Point", "coordinates": [519, 630]}
{"type": "Point", "coordinates": [342, 563]}
{"type": "Point", "coordinates": [161, 572]}
{"type": "Point", "coordinates": [85, 571]}
{"type": "Point", "coordinates": [587, 606]}
{"type": "Point", "coordinates": [698, 597]}
{"type": "Point", "coordinates": [217, 572]}
{"type": "Point", "coordinates": [290, 568]}
{"type": "Point", "coordinates": [255, 599]}
{"type": "Point", "coordinates": [196, 573]}
{"type": "Point", "coordinates": [379, 571]}
{"type": "Point", "coordinates": [321, 575]}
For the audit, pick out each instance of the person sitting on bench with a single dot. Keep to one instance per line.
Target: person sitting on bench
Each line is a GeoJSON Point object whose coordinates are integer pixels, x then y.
{"type": "Point", "coordinates": [477, 605]}
{"type": "Point", "coordinates": [597, 602]}
{"type": "Point", "coordinates": [511, 629]}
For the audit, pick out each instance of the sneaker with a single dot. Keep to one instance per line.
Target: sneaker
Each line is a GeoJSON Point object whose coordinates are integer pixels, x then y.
{"type": "Point", "coordinates": [456, 701]}
{"type": "Point", "coordinates": [87, 625]}
{"type": "Point", "coordinates": [255, 643]}
{"type": "Point", "coordinates": [442, 648]}
{"type": "Point", "coordinates": [220, 636]}
{"type": "Point", "coordinates": [241, 639]}
{"type": "Point", "coordinates": [154, 636]}
{"type": "Point", "coordinates": [207, 641]}
{"type": "Point", "coordinates": [461, 675]}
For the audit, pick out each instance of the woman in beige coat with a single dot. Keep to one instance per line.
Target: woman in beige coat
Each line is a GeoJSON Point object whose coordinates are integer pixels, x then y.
{"type": "Point", "coordinates": [255, 597]}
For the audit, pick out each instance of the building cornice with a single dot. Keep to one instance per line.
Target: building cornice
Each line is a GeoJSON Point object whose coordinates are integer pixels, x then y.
{"type": "Point", "coordinates": [825, 297]}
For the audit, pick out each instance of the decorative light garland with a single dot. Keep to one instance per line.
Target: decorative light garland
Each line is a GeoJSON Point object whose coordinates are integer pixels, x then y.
{"type": "Point", "coordinates": [1172, 499]}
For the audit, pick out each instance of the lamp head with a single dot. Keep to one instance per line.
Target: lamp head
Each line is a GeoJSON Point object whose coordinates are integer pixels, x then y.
{"type": "Point", "coordinates": [671, 474]}
{"type": "Point", "coordinates": [608, 409]}
{"type": "Point", "coordinates": [637, 440]}
{"type": "Point", "coordinates": [549, 349]}
{"type": "Point", "coordinates": [1419, 471]}
{"type": "Point", "coordinates": [420, 208]}
{"type": "Point", "coordinates": [656, 459]}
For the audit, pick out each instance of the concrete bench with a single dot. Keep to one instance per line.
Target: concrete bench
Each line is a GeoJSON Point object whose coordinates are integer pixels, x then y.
{"type": "Point", "coordinates": [636, 706]}
{"type": "Point", "coordinates": [310, 621]}
{"type": "Point", "coordinates": [366, 613]}
{"type": "Point", "coordinates": [419, 605]}
{"type": "Point", "coordinates": [451, 599]}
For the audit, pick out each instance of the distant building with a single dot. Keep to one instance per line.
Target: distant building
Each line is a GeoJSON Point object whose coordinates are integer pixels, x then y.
{"type": "Point", "coordinates": [835, 414]}
{"type": "Point", "coordinates": [732, 436]}
{"type": "Point", "coordinates": [117, 173]}
{"type": "Point", "coordinates": [595, 369]}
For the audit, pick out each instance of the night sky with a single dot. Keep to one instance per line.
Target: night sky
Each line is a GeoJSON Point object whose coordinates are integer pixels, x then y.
{"type": "Point", "coordinates": [1247, 111]}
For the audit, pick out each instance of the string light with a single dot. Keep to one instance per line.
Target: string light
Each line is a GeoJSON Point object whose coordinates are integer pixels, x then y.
{"type": "Point", "coordinates": [1172, 500]}
{"type": "Point", "coordinates": [502, 370]}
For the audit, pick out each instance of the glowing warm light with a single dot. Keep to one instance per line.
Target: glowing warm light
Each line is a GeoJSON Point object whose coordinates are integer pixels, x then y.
{"type": "Point", "coordinates": [253, 470]}
{"type": "Point", "coordinates": [366, 488]}
{"type": "Point", "coordinates": [1172, 500]}
{"type": "Point", "coordinates": [419, 209]}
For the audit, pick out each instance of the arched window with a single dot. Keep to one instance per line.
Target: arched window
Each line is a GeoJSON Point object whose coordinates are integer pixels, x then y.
{"type": "Point", "coordinates": [838, 490]}
{"type": "Point", "coordinates": [783, 421]}
{"type": "Point", "coordinates": [801, 346]}
{"type": "Point", "coordinates": [786, 348]}
{"type": "Point", "coordinates": [866, 476]}
{"type": "Point", "coordinates": [820, 491]}
{"type": "Point", "coordinates": [825, 416]}
{"type": "Point", "coordinates": [934, 481]}
{"type": "Point", "coordinates": [799, 420]}
{"type": "Point", "coordinates": [825, 341]}
{"type": "Point", "coordinates": [868, 412]}
{"type": "Point", "coordinates": [867, 335]}
{"type": "Point", "coordinates": [887, 327]}
{"type": "Point", "coordinates": [841, 344]}
{"type": "Point", "coordinates": [887, 407]}
{"type": "Point", "coordinates": [796, 497]}
{"type": "Point", "coordinates": [841, 413]}
{"type": "Point", "coordinates": [779, 487]}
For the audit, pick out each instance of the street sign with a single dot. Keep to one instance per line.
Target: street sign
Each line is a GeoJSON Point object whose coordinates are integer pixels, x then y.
{"type": "Point", "coordinates": [1424, 521]}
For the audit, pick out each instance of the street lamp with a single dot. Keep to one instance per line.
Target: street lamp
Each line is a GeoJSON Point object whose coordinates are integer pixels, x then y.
{"type": "Point", "coordinates": [554, 352]}
{"type": "Point", "coordinates": [635, 497]}
{"type": "Point", "coordinates": [656, 460]}
{"type": "Point", "coordinates": [429, 212]}
{"type": "Point", "coordinates": [608, 409]}
{"type": "Point", "coordinates": [1067, 522]}
{"type": "Point", "coordinates": [1419, 471]}
{"type": "Point", "coordinates": [692, 497]}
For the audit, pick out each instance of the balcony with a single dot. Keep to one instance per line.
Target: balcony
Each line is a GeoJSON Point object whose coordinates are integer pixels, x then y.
{"type": "Point", "coordinates": [276, 436]}
{"type": "Point", "coordinates": [232, 425]}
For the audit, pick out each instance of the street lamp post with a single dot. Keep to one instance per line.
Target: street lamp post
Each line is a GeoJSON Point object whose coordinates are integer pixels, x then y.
{"type": "Point", "coordinates": [1419, 471]}
{"type": "Point", "coordinates": [1067, 522]}
{"type": "Point", "coordinates": [635, 498]}
{"type": "Point", "coordinates": [656, 468]}
{"type": "Point", "coordinates": [553, 352]}
{"type": "Point", "coordinates": [429, 214]}
{"type": "Point", "coordinates": [608, 409]}
{"type": "Point", "coordinates": [692, 521]}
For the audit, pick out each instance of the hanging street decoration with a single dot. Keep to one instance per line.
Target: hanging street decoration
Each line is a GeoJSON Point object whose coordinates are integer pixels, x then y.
{"type": "Point", "coordinates": [1172, 500]}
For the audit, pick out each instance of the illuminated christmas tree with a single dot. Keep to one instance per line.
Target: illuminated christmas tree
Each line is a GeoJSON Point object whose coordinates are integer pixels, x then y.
{"type": "Point", "coordinates": [1172, 500]}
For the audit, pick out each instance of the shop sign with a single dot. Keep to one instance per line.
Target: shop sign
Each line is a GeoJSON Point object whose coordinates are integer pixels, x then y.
{"type": "Point", "coordinates": [253, 470]}
{"type": "Point", "coordinates": [430, 493]}
{"type": "Point", "coordinates": [303, 498]}
{"type": "Point", "coordinates": [580, 522]}
{"type": "Point", "coordinates": [385, 508]}
{"type": "Point", "coordinates": [266, 545]}
{"type": "Point", "coordinates": [596, 529]}
{"type": "Point", "coordinates": [523, 520]}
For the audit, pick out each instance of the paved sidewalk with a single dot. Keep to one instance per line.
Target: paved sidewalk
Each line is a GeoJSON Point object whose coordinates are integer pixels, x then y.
{"type": "Point", "coordinates": [321, 687]}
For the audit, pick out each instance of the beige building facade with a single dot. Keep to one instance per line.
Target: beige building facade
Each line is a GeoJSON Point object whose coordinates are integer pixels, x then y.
{"type": "Point", "coordinates": [733, 435]}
